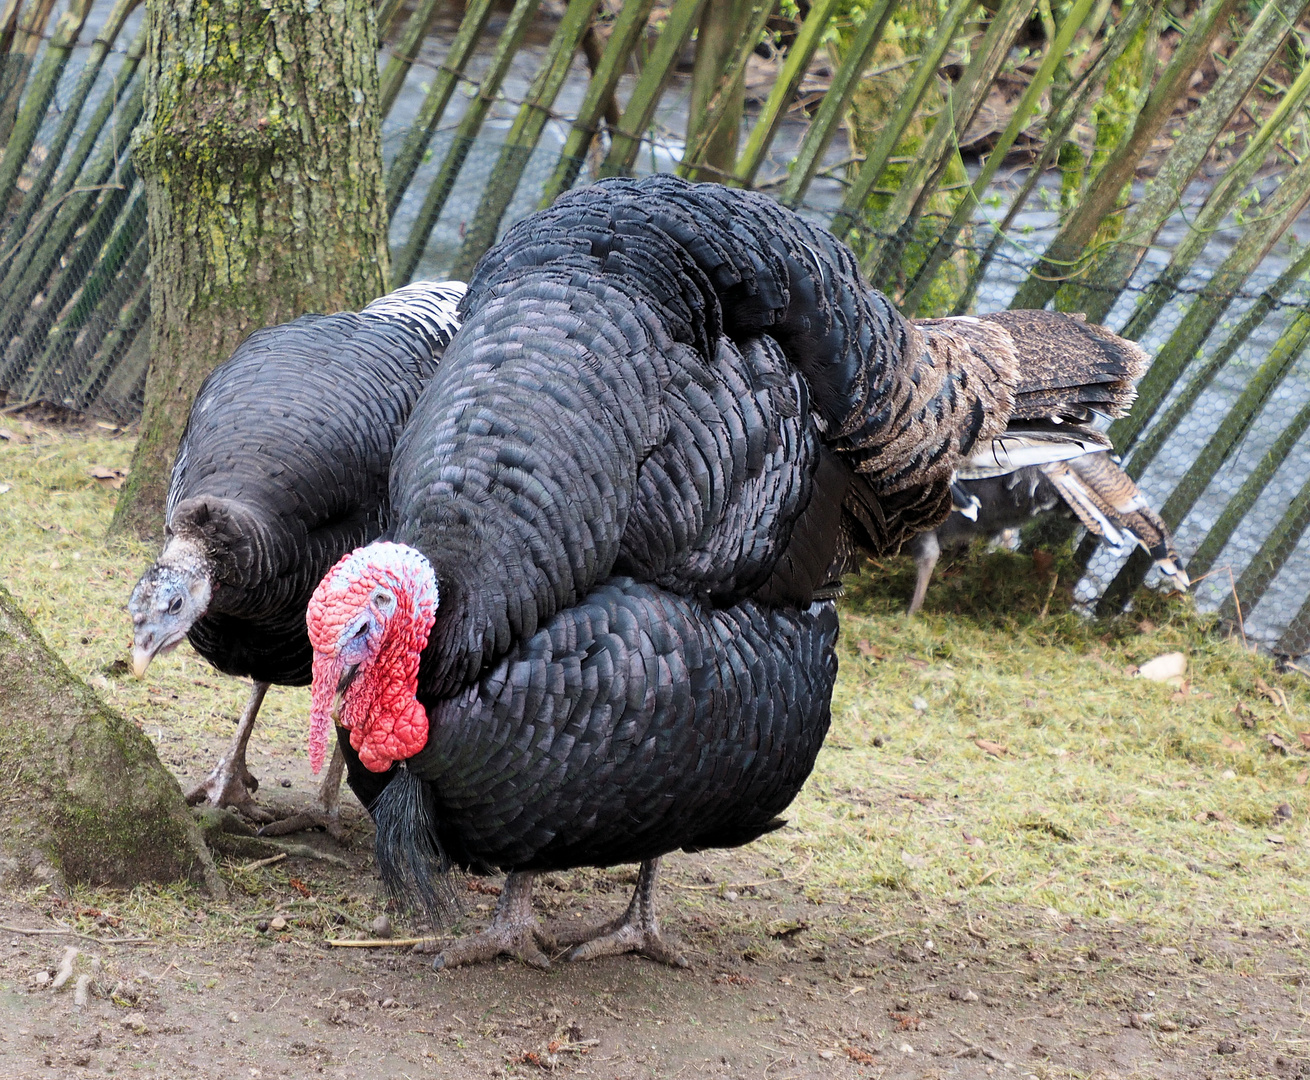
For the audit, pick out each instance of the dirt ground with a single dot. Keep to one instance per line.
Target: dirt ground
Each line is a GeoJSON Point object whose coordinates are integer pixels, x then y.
{"type": "Point", "coordinates": [780, 986]}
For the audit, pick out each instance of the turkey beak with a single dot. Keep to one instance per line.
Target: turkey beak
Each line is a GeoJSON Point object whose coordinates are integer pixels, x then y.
{"type": "Point", "coordinates": [343, 684]}
{"type": "Point", "coordinates": [141, 658]}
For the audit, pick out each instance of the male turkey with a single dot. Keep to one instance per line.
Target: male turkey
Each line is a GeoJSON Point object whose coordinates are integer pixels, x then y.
{"type": "Point", "coordinates": [601, 628]}
{"type": "Point", "coordinates": [1092, 486]}
{"type": "Point", "coordinates": [282, 469]}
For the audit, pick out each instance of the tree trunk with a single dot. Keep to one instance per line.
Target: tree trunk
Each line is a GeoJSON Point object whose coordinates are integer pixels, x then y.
{"type": "Point", "coordinates": [85, 797]}
{"type": "Point", "coordinates": [261, 156]}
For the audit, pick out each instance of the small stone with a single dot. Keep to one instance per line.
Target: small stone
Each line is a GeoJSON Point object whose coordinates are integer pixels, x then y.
{"type": "Point", "coordinates": [262, 926]}
{"type": "Point", "coordinates": [381, 927]}
{"type": "Point", "coordinates": [1137, 1021]}
{"type": "Point", "coordinates": [1283, 812]}
{"type": "Point", "coordinates": [1167, 1025]}
{"type": "Point", "coordinates": [730, 895]}
{"type": "Point", "coordinates": [390, 1003]}
{"type": "Point", "coordinates": [963, 995]}
{"type": "Point", "coordinates": [136, 1023]}
{"type": "Point", "coordinates": [1228, 774]}
{"type": "Point", "coordinates": [41, 978]}
{"type": "Point", "coordinates": [233, 1018]}
{"type": "Point", "coordinates": [920, 705]}
{"type": "Point", "coordinates": [906, 1048]}
{"type": "Point", "coordinates": [827, 1055]}
{"type": "Point", "coordinates": [279, 924]}
{"type": "Point", "coordinates": [881, 740]}
{"type": "Point", "coordinates": [1227, 1046]}
{"type": "Point", "coordinates": [285, 781]}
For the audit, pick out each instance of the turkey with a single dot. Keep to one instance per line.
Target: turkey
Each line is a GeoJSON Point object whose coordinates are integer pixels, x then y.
{"type": "Point", "coordinates": [1093, 487]}
{"type": "Point", "coordinates": [281, 470]}
{"type": "Point", "coordinates": [601, 628]}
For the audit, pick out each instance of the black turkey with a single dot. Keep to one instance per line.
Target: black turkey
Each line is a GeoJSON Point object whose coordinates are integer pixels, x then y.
{"type": "Point", "coordinates": [601, 628]}
{"type": "Point", "coordinates": [1092, 487]}
{"type": "Point", "coordinates": [283, 468]}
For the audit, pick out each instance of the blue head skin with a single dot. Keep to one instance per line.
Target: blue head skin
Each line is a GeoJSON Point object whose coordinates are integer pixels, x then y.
{"type": "Point", "coordinates": [167, 601]}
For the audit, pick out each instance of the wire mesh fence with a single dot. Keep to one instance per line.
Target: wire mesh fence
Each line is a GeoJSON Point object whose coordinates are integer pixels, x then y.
{"type": "Point", "coordinates": [492, 113]}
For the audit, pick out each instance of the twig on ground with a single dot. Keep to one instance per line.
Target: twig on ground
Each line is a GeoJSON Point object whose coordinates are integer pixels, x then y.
{"type": "Point", "coordinates": [378, 943]}
{"type": "Point", "coordinates": [75, 933]}
{"type": "Point", "coordinates": [261, 862]}
{"type": "Point", "coordinates": [65, 971]}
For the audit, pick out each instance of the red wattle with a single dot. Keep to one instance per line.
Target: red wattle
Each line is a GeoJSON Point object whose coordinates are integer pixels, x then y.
{"type": "Point", "coordinates": [326, 674]}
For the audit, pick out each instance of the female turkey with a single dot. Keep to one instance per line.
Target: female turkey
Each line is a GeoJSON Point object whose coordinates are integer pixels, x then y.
{"type": "Point", "coordinates": [601, 629]}
{"type": "Point", "coordinates": [283, 468]}
{"type": "Point", "coordinates": [1092, 487]}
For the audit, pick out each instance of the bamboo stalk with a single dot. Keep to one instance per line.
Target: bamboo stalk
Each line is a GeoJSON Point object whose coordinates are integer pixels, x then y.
{"type": "Point", "coordinates": [965, 208]}
{"type": "Point", "coordinates": [27, 276]}
{"type": "Point", "coordinates": [97, 244]}
{"type": "Point", "coordinates": [832, 111]}
{"type": "Point", "coordinates": [28, 31]}
{"type": "Point", "coordinates": [403, 56]}
{"type": "Point", "coordinates": [1069, 246]}
{"type": "Point", "coordinates": [1296, 638]}
{"type": "Point", "coordinates": [1240, 504]}
{"type": "Point", "coordinates": [875, 164]}
{"type": "Point", "coordinates": [1065, 116]}
{"type": "Point", "coordinates": [32, 201]}
{"type": "Point", "coordinates": [1264, 566]}
{"type": "Point", "coordinates": [116, 273]}
{"type": "Point", "coordinates": [8, 29]}
{"type": "Point", "coordinates": [42, 89]}
{"type": "Point", "coordinates": [1113, 268]}
{"type": "Point", "coordinates": [1232, 429]}
{"type": "Point", "coordinates": [706, 126]}
{"type": "Point", "coordinates": [1218, 204]}
{"type": "Point", "coordinates": [523, 136]}
{"type": "Point", "coordinates": [781, 93]}
{"type": "Point", "coordinates": [628, 28]}
{"type": "Point", "coordinates": [625, 141]}
{"type": "Point", "coordinates": [1203, 315]}
{"type": "Point", "coordinates": [430, 113]}
{"type": "Point", "coordinates": [117, 343]}
{"type": "Point", "coordinates": [507, 45]}
{"type": "Point", "coordinates": [921, 178]}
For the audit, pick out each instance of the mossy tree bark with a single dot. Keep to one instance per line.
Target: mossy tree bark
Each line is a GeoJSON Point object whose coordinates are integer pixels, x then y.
{"type": "Point", "coordinates": [261, 155]}
{"type": "Point", "coordinates": [85, 798]}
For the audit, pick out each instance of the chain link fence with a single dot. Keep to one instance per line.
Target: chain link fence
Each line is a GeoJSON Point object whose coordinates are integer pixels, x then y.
{"type": "Point", "coordinates": [1225, 455]}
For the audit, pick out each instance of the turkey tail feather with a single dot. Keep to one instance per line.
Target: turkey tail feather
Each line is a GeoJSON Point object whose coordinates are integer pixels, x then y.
{"type": "Point", "coordinates": [1106, 500]}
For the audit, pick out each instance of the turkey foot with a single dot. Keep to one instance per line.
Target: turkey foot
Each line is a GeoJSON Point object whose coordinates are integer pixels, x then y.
{"type": "Point", "coordinates": [514, 931]}
{"type": "Point", "coordinates": [230, 782]}
{"type": "Point", "coordinates": [636, 930]}
{"type": "Point", "coordinates": [326, 815]}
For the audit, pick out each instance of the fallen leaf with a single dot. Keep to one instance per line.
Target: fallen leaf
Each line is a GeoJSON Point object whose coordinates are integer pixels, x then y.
{"type": "Point", "coordinates": [1303, 777]}
{"type": "Point", "coordinates": [1243, 713]}
{"type": "Point", "coordinates": [1304, 736]}
{"type": "Point", "coordinates": [1115, 819]}
{"type": "Point", "coordinates": [112, 478]}
{"type": "Point", "coordinates": [914, 862]}
{"type": "Point", "coordinates": [916, 662]}
{"type": "Point", "coordinates": [972, 840]}
{"type": "Point", "coordinates": [920, 799]}
{"type": "Point", "coordinates": [869, 652]}
{"type": "Point", "coordinates": [1278, 743]}
{"type": "Point", "coordinates": [4, 488]}
{"type": "Point", "coordinates": [1276, 838]}
{"type": "Point", "coordinates": [1231, 743]}
{"type": "Point", "coordinates": [989, 747]}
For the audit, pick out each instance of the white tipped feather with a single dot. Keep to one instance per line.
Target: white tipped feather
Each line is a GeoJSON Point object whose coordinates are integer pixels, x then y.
{"type": "Point", "coordinates": [429, 306]}
{"type": "Point", "coordinates": [1017, 450]}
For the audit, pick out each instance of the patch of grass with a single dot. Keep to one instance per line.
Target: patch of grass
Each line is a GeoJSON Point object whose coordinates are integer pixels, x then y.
{"type": "Point", "coordinates": [981, 753]}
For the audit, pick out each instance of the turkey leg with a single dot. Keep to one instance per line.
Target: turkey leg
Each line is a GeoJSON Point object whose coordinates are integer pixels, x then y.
{"type": "Point", "coordinates": [514, 931]}
{"type": "Point", "coordinates": [230, 782]}
{"type": "Point", "coordinates": [926, 552]}
{"type": "Point", "coordinates": [636, 930]}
